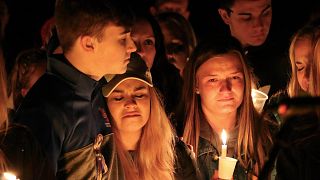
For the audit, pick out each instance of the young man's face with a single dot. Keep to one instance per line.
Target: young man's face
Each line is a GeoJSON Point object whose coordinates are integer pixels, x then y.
{"type": "Point", "coordinates": [249, 21]}
{"type": "Point", "coordinates": [112, 52]}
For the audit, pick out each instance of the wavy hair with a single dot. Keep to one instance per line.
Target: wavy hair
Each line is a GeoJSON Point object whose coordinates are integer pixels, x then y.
{"type": "Point", "coordinates": [311, 32]}
{"type": "Point", "coordinates": [155, 155]}
{"type": "Point", "coordinates": [252, 133]}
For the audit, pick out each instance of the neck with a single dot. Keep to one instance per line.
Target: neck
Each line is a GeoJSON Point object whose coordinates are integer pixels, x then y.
{"type": "Point", "coordinates": [130, 140]}
{"type": "Point", "coordinates": [221, 121]}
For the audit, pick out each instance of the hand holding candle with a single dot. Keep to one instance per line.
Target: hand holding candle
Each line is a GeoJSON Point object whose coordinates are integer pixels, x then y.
{"type": "Point", "coordinates": [224, 143]}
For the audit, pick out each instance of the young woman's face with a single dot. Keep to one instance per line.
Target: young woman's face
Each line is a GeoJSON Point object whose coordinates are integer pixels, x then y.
{"type": "Point", "coordinates": [129, 105]}
{"type": "Point", "coordinates": [176, 49]}
{"type": "Point", "coordinates": [220, 83]}
{"type": "Point", "coordinates": [143, 37]}
{"type": "Point", "coordinates": [302, 55]}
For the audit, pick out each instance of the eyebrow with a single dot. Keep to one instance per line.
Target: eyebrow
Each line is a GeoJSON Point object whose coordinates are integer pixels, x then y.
{"type": "Point", "coordinates": [248, 14]}
{"type": "Point", "coordinates": [135, 89]}
{"type": "Point", "coordinates": [235, 72]}
{"type": "Point", "coordinates": [140, 88]}
{"type": "Point", "coordinates": [126, 30]}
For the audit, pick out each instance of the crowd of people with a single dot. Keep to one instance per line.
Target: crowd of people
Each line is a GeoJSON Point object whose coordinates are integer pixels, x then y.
{"type": "Point", "coordinates": [131, 90]}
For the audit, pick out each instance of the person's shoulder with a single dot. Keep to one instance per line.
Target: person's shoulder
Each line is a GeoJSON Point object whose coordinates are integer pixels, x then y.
{"type": "Point", "coordinates": [185, 166]}
{"type": "Point", "coordinates": [24, 153]}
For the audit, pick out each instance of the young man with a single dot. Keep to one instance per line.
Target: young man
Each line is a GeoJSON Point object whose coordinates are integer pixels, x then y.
{"type": "Point", "coordinates": [65, 108]}
{"type": "Point", "coordinates": [249, 22]}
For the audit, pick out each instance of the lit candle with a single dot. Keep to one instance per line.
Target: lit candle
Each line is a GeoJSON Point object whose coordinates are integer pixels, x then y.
{"type": "Point", "coordinates": [9, 176]}
{"type": "Point", "coordinates": [224, 143]}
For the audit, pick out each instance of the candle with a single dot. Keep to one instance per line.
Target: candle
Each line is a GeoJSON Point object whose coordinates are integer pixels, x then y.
{"type": "Point", "coordinates": [258, 99]}
{"type": "Point", "coordinates": [9, 176]}
{"type": "Point", "coordinates": [224, 143]}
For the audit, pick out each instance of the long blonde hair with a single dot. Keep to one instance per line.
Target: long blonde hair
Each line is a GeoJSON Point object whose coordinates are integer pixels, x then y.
{"type": "Point", "coordinates": [3, 94]}
{"type": "Point", "coordinates": [155, 151]}
{"type": "Point", "coordinates": [3, 109]}
{"type": "Point", "coordinates": [312, 33]}
{"type": "Point", "coordinates": [251, 129]}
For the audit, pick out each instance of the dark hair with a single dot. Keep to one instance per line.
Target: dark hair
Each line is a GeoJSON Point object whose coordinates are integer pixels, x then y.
{"type": "Point", "coordinates": [226, 4]}
{"type": "Point", "coordinates": [75, 18]}
{"type": "Point", "coordinates": [165, 76]}
{"type": "Point", "coordinates": [297, 144]}
{"type": "Point", "coordinates": [26, 64]}
{"type": "Point", "coordinates": [179, 27]}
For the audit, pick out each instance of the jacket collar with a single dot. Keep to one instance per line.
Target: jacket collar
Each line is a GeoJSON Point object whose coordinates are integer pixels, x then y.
{"type": "Point", "coordinates": [82, 84]}
{"type": "Point", "coordinates": [207, 133]}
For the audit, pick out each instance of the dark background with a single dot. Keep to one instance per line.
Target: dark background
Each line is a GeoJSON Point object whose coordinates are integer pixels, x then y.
{"type": "Point", "coordinates": [27, 17]}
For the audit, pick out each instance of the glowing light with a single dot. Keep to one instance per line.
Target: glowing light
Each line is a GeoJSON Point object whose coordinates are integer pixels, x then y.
{"type": "Point", "coordinates": [224, 143]}
{"type": "Point", "coordinates": [9, 176]}
{"type": "Point", "coordinates": [224, 137]}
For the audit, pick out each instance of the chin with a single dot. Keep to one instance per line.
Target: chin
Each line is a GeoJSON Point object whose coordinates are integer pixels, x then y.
{"type": "Point", "coordinates": [228, 108]}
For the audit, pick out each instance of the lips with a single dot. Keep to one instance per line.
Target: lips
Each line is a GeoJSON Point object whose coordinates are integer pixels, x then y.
{"type": "Point", "coordinates": [225, 99]}
{"type": "Point", "coordinates": [131, 114]}
{"type": "Point", "coordinates": [259, 35]}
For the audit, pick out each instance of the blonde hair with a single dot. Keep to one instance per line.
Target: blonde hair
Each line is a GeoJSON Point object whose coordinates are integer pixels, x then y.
{"type": "Point", "coordinates": [3, 95]}
{"type": "Point", "coordinates": [251, 129]}
{"type": "Point", "coordinates": [315, 71]}
{"type": "Point", "coordinates": [312, 33]}
{"type": "Point", "coordinates": [155, 154]}
{"type": "Point", "coordinates": [3, 109]}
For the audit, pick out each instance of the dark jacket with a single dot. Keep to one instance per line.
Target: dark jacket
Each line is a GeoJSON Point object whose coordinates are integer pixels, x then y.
{"type": "Point", "coordinates": [23, 154]}
{"type": "Point", "coordinates": [65, 110]}
{"type": "Point", "coordinates": [270, 64]}
{"type": "Point", "coordinates": [82, 162]}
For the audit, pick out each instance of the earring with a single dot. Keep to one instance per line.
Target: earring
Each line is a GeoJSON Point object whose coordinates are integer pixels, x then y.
{"type": "Point", "coordinates": [197, 91]}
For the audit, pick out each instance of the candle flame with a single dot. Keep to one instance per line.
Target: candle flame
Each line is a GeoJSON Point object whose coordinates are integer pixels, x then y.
{"type": "Point", "coordinates": [9, 176]}
{"type": "Point", "coordinates": [224, 137]}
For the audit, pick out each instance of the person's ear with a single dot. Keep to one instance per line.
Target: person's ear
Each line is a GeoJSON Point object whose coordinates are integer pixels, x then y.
{"type": "Point", "coordinates": [197, 90]}
{"type": "Point", "coordinates": [87, 43]}
{"type": "Point", "coordinates": [153, 10]}
{"type": "Point", "coordinates": [24, 92]}
{"type": "Point", "coordinates": [224, 16]}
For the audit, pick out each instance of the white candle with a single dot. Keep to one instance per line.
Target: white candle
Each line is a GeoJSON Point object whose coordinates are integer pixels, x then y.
{"type": "Point", "coordinates": [9, 176]}
{"type": "Point", "coordinates": [224, 143]}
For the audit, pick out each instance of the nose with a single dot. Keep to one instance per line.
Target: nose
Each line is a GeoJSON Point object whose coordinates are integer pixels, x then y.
{"type": "Point", "coordinates": [225, 85]}
{"type": "Point", "coordinates": [131, 46]}
{"type": "Point", "coordinates": [130, 103]}
{"type": "Point", "coordinates": [257, 22]}
{"type": "Point", "coordinates": [140, 50]}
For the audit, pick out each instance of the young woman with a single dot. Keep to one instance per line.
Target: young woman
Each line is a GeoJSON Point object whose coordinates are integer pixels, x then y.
{"type": "Point", "coordinates": [217, 96]}
{"type": "Point", "coordinates": [146, 33]}
{"type": "Point", "coordinates": [305, 61]}
{"type": "Point", "coordinates": [144, 138]}
{"type": "Point", "coordinates": [297, 145]}
{"type": "Point", "coordinates": [179, 38]}
{"type": "Point", "coordinates": [20, 153]}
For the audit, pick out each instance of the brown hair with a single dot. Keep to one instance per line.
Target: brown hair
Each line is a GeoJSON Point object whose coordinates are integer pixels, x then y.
{"type": "Point", "coordinates": [252, 133]}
